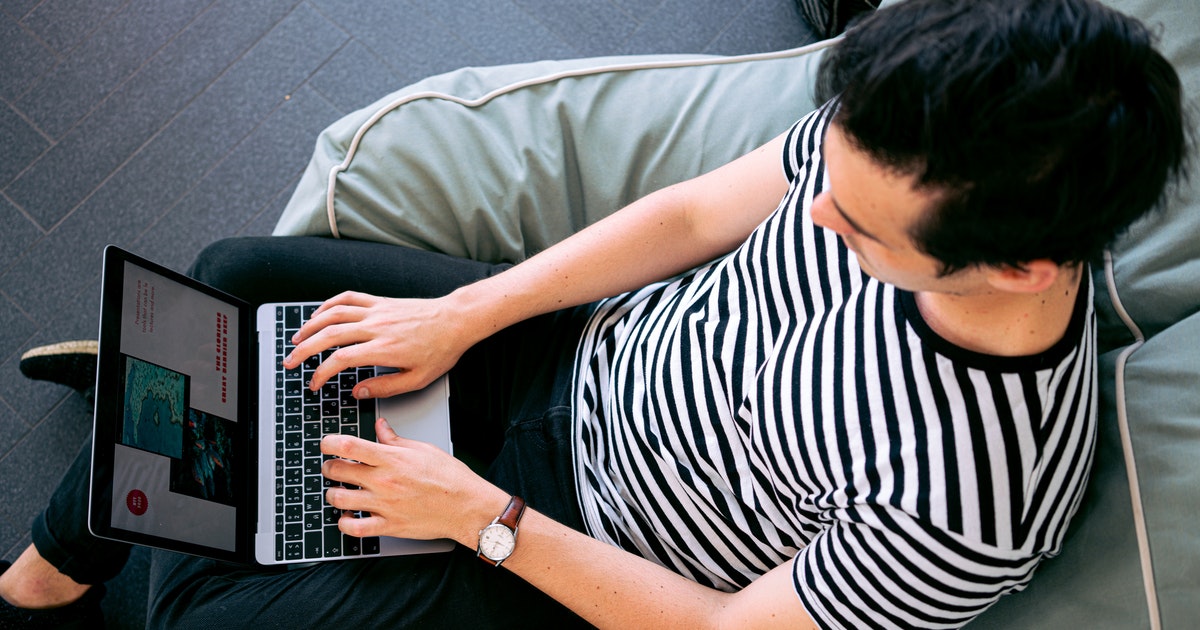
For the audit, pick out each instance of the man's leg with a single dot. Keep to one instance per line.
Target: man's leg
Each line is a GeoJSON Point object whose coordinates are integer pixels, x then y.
{"type": "Point", "coordinates": [294, 269]}
{"type": "Point", "coordinates": [58, 574]}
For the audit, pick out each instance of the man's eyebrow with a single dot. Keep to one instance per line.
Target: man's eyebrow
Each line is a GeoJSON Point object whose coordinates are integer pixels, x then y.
{"type": "Point", "coordinates": [854, 224]}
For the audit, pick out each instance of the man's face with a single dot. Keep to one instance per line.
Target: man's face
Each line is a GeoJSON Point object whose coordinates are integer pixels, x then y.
{"type": "Point", "coordinates": [872, 209]}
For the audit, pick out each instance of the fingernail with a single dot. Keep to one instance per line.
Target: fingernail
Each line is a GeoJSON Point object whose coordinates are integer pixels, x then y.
{"type": "Point", "coordinates": [362, 392]}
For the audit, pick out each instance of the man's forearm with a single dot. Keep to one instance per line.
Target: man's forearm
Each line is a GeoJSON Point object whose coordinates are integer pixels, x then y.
{"type": "Point", "coordinates": [612, 588]}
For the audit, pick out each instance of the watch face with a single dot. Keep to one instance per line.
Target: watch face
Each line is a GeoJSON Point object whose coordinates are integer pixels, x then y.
{"type": "Point", "coordinates": [496, 542]}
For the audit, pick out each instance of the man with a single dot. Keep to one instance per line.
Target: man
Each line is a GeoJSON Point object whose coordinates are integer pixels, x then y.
{"type": "Point", "coordinates": [870, 404]}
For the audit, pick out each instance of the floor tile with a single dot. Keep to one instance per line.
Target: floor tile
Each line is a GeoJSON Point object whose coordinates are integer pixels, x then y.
{"type": "Point", "coordinates": [62, 24]}
{"type": "Point", "coordinates": [22, 58]}
{"type": "Point", "coordinates": [21, 141]}
{"type": "Point", "coordinates": [414, 44]}
{"type": "Point", "coordinates": [19, 233]}
{"type": "Point", "coordinates": [137, 110]}
{"type": "Point", "coordinates": [51, 446]}
{"type": "Point", "coordinates": [12, 430]}
{"type": "Point", "coordinates": [110, 56]}
{"type": "Point", "coordinates": [673, 27]}
{"type": "Point", "coordinates": [354, 78]}
{"type": "Point", "coordinates": [764, 25]}
{"type": "Point", "coordinates": [17, 8]}
{"type": "Point", "coordinates": [589, 28]}
{"type": "Point", "coordinates": [15, 328]}
{"type": "Point", "coordinates": [498, 30]}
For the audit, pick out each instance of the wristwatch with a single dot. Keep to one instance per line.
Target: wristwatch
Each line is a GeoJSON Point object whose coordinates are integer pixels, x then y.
{"type": "Point", "coordinates": [497, 540]}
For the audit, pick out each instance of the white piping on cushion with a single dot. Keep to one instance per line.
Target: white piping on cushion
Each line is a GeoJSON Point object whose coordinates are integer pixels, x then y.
{"type": "Point", "coordinates": [1135, 492]}
{"type": "Point", "coordinates": [566, 74]}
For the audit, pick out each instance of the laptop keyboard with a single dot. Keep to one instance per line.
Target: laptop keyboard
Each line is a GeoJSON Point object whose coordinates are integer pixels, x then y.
{"type": "Point", "coordinates": [305, 524]}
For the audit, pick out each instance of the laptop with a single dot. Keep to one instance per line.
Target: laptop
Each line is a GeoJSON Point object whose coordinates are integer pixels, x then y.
{"type": "Point", "coordinates": [205, 445]}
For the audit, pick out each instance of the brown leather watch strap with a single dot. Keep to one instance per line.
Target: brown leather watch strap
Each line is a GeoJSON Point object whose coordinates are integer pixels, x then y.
{"type": "Point", "coordinates": [512, 513]}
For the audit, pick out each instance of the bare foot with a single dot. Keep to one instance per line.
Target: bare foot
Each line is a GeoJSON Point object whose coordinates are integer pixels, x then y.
{"type": "Point", "coordinates": [33, 583]}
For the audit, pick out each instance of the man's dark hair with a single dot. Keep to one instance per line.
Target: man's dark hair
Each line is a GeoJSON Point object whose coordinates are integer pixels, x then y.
{"type": "Point", "coordinates": [1048, 126]}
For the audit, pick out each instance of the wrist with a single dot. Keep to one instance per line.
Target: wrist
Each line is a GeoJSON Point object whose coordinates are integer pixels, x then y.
{"type": "Point", "coordinates": [479, 513]}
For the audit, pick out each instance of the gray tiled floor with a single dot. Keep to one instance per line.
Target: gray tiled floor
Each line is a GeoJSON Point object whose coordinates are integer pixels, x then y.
{"type": "Point", "coordinates": [162, 125]}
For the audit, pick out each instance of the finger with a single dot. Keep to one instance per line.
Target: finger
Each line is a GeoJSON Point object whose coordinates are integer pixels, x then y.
{"type": "Point", "coordinates": [385, 434]}
{"type": "Point", "coordinates": [351, 298]}
{"type": "Point", "coordinates": [346, 471]}
{"type": "Point", "coordinates": [341, 359]}
{"type": "Point", "coordinates": [329, 314]}
{"type": "Point", "coordinates": [353, 448]}
{"type": "Point", "coordinates": [348, 500]}
{"type": "Point", "coordinates": [362, 526]}
{"type": "Point", "coordinates": [390, 384]}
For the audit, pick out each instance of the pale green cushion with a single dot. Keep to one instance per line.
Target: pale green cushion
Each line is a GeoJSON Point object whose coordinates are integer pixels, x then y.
{"type": "Point", "coordinates": [507, 177]}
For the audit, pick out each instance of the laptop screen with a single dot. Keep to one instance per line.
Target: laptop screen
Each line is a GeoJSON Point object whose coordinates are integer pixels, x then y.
{"type": "Point", "coordinates": [171, 463]}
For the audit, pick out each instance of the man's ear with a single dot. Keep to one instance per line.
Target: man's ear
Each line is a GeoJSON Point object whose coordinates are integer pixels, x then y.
{"type": "Point", "coordinates": [1034, 276]}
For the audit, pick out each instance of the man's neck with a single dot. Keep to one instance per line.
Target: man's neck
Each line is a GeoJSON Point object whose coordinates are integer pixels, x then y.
{"type": "Point", "coordinates": [1004, 324]}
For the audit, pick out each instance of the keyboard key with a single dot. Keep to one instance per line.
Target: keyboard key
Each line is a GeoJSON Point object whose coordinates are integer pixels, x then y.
{"type": "Point", "coordinates": [333, 541]}
{"type": "Point", "coordinates": [293, 551]}
{"type": "Point", "coordinates": [314, 545]}
{"type": "Point", "coordinates": [351, 546]}
{"type": "Point", "coordinates": [293, 513]}
{"type": "Point", "coordinates": [291, 316]}
{"type": "Point", "coordinates": [293, 531]}
{"type": "Point", "coordinates": [366, 428]}
{"type": "Point", "coordinates": [312, 522]}
{"type": "Point", "coordinates": [312, 465]}
{"type": "Point", "coordinates": [370, 545]}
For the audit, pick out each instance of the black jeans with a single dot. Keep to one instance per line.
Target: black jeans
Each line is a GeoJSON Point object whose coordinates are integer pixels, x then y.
{"type": "Point", "coordinates": [510, 405]}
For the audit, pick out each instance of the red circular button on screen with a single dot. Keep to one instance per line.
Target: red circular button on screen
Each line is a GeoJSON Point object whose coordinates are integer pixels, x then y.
{"type": "Point", "coordinates": [137, 502]}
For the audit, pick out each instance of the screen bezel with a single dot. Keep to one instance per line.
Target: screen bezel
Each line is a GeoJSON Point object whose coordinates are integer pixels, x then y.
{"type": "Point", "coordinates": [109, 413]}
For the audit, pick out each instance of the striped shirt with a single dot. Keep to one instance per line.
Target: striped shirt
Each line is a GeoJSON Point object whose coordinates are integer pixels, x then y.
{"type": "Point", "coordinates": [779, 405]}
